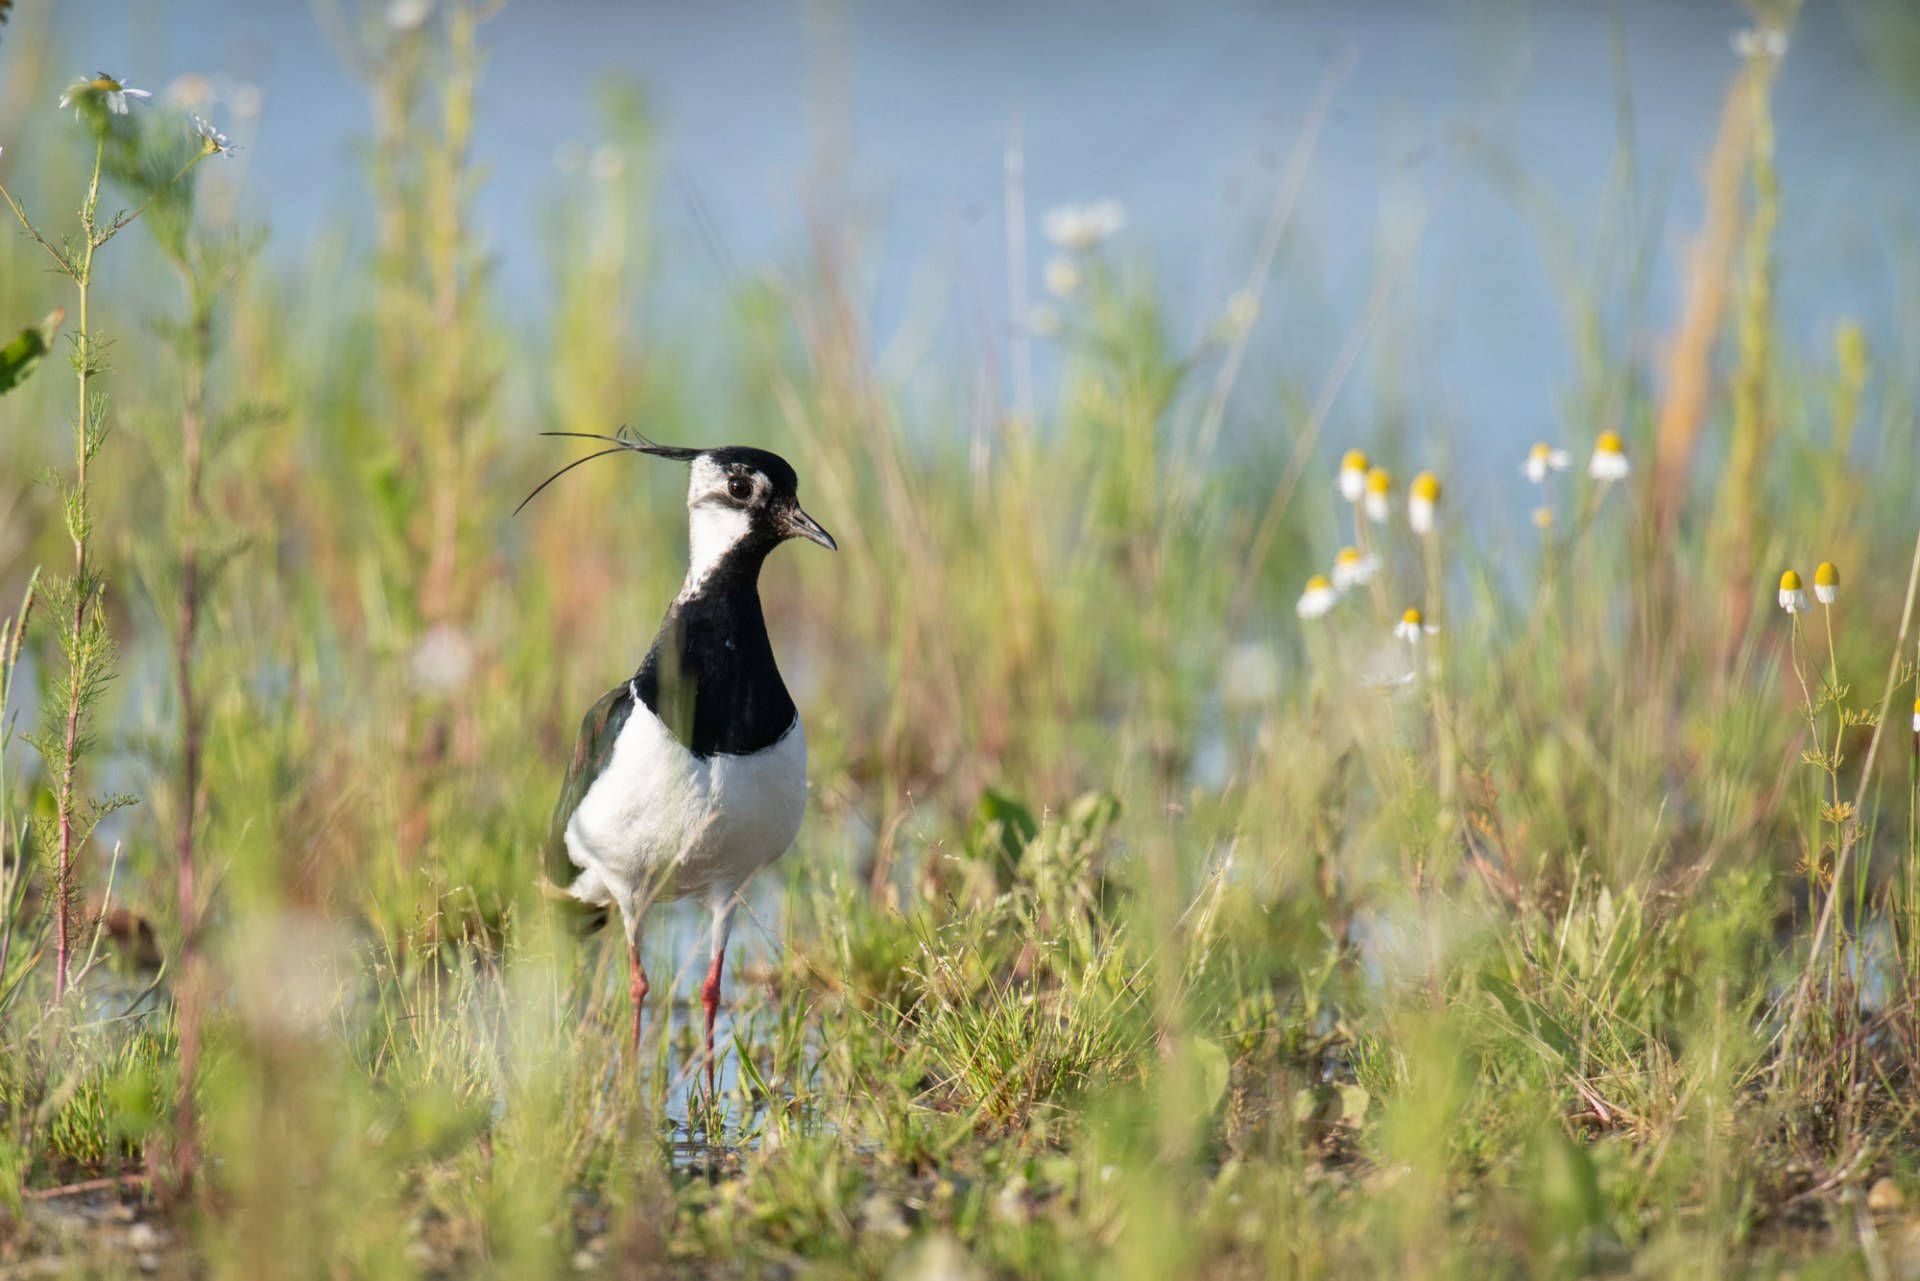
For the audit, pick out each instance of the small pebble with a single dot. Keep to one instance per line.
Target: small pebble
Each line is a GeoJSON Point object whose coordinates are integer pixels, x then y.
{"type": "Point", "coordinates": [881, 1215]}
{"type": "Point", "coordinates": [1011, 1205]}
{"type": "Point", "coordinates": [939, 1258]}
{"type": "Point", "coordinates": [1903, 1251]}
{"type": "Point", "coordinates": [143, 1237]}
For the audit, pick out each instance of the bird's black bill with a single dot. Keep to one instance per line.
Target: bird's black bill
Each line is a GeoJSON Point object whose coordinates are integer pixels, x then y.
{"type": "Point", "coordinates": [801, 525]}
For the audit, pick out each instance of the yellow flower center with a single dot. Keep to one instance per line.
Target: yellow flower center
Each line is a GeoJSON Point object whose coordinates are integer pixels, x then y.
{"type": "Point", "coordinates": [1427, 486]}
{"type": "Point", "coordinates": [1826, 575]}
{"type": "Point", "coordinates": [1413, 618]}
{"type": "Point", "coordinates": [1378, 481]}
{"type": "Point", "coordinates": [1347, 556]}
{"type": "Point", "coordinates": [1319, 583]}
{"type": "Point", "coordinates": [1609, 443]}
{"type": "Point", "coordinates": [1540, 452]}
{"type": "Point", "coordinates": [1354, 461]}
{"type": "Point", "coordinates": [1789, 582]}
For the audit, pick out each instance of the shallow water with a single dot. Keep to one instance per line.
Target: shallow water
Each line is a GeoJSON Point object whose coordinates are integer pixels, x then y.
{"type": "Point", "coordinates": [1184, 113]}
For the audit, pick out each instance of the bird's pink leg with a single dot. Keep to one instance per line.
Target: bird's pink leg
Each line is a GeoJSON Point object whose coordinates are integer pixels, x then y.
{"type": "Point", "coordinates": [710, 998]}
{"type": "Point", "coordinates": [637, 988]}
{"type": "Point", "coordinates": [710, 990]}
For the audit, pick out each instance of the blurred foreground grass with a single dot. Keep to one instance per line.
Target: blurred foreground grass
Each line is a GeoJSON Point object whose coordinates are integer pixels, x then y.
{"type": "Point", "coordinates": [1147, 920]}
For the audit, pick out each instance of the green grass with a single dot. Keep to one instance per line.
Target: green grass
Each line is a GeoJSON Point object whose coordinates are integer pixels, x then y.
{"type": "Point", "coordinates": [1139, 927]}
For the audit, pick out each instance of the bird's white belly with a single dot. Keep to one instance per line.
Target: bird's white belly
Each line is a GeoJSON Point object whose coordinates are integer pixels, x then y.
{"type": "Point", "coordinates": [661, 823]}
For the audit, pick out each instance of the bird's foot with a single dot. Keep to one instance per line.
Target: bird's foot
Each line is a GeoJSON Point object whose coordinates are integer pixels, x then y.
{"type": "Point", "coordinates": [636, 989]}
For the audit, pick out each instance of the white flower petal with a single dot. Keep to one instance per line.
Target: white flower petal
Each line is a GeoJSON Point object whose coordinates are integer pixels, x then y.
{"type": "Point", "coordinates": [1062, 276]}
{"type": "Point", "coordinates": [1609, 465]}
{"type": "Point", "coordinates": [1316, 600]}
{"type": "Point", "coordinates": [1079, 228]}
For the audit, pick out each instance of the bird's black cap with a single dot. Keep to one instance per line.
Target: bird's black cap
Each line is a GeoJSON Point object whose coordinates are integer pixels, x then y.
{"type": "Point", "coordinates": [778, 471]}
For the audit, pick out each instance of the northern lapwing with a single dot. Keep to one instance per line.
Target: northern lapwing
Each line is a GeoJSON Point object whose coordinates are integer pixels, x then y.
{"type": "Point", "coordinates": [691, 775]}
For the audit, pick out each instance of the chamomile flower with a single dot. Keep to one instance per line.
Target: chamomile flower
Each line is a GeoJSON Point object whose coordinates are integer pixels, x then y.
{"type": "Point", "coordinates": [1318, 598]}
{"type": "Point", "coordinates": [1413, 627]}
{"type": "Point", "coordinates": [1769, 42]}
{"type": "Point", "coordinates": [215, 141]}
{"type": "Point", "coordinates": [1544, 458]}
{"type": "Point", "coordinates": [606, 162]}
{"type": "Point", "coordinates": [1793, 597]}
{"type": "Point", "coordinates": [407, 15]}
{"type": "Point", "coordinates": [1353, 568]}
{"type": "Point", "coordinates": [1243, 308]}
{"type": "Point", "coordinates": [1609, 462]}
{"type": "Point", "coordinates": [1079, 228]}
{"type": "Point", "coordinates": [1543, 517]}
{"type": "Point", "coordinates": [112, 90]}
{"type": "Point", "coordinates": [1423, 502]}
{"type": "Point", "coordinates": [1826, 583]}
{"type": "Point", "coordinates": [1379, 495]}
{"type": "Point", "coordinates": [1353, 476]}
{"type": "Point", "coordinates": [1916, 715]}
{"type": "Point", "coordinates": [1062, 276]}
{"type": "Point", "coordinates": [190, 91]}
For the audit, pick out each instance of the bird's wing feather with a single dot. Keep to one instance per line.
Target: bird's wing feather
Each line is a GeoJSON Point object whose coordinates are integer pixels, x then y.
{"type": "Point", "coordinates": [599, 730]}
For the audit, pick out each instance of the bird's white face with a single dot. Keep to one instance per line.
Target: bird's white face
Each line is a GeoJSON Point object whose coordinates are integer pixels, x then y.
{"type": "Point", "coordinates": [720, 507]}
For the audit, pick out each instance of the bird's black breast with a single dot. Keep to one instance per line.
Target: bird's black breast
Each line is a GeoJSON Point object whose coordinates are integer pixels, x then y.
{"type": "Point", "coordinates": [711, 678]}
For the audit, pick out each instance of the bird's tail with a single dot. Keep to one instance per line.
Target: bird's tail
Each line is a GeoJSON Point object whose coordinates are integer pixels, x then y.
{"type": "Point", "coordinates": [581, 918]}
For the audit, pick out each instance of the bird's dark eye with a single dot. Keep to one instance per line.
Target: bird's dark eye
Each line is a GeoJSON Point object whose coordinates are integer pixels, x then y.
{"type": "Point", "coordinates": [740, 488]}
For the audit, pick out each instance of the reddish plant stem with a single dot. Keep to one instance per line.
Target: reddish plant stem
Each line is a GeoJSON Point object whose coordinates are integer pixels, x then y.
{"type": "Point", "coordinates": [185, 1155]}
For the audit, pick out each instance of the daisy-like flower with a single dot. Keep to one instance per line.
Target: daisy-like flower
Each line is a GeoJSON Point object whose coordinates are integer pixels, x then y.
{"type": "Point", "coordinates": [215, 141]}
{"type": "Point", "coordinates": [606, 162]}
{"type": "Point", "coordinates": [1413, 627]}
{"type": "Point", "coordinates": [1916, 715]}
{"type": "Point", "coordinates": [1543, 517]}
{"type": "Point", "coordinates": [1826, 583]}
{"type": "Point", "coordinates": [1062, 275]}
{"type": "Point", "coordinates": [1768, 43]}
{"type": "Point", "coordinates": [1352, 568]}
{"type": "Point", "coordinates": [1318, 598]}
{"type": "Point", "coordinates": [1544, 458]}
{"type": "Point", "coordinates": [1609, 461]}
{"type": "Point", "coordinates": [1243, 308]}
{"type": "Point", "coordinates": [112, 90]}
{"type": "Point", "coordinates": [1423, 502]}
{"type": "Point", "coordinates": [1379, 495]}
{"type": "Point", "coordinates": [407, 15]}
{"type": "Point", "coordinates": [191, 90]}
{"type": "Point", "coordinates": [1793, 597]}
{"type": "Point", "coordinates": [1353, 476]}
{"type": "Point", "coordinates": [1079, 228]}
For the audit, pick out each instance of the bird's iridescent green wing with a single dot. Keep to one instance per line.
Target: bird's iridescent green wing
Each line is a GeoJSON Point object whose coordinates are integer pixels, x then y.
{"type": "Point", "coordinates": [599, 730]}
